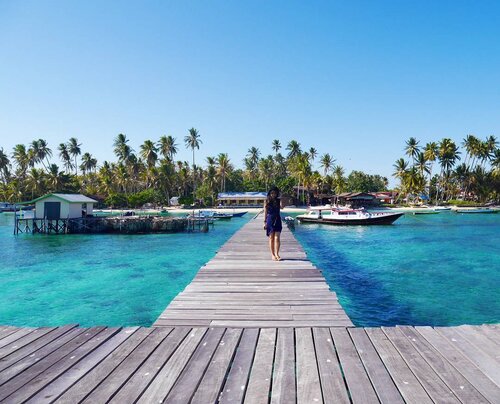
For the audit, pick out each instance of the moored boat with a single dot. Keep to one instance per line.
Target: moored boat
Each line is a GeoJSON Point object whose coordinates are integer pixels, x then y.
{"type": "Point", "coordinates": [210, 214]}
{"type": "Point", "coordinates": [240, 214]}
{"type": "Point", "coordinates": [349, 217]}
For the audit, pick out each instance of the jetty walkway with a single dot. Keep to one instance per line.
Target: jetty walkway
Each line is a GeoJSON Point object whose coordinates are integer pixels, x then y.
{"type": "Point", "coordinates": [242, 287]}
{"type": "Point", "coordinates": [249, 330]}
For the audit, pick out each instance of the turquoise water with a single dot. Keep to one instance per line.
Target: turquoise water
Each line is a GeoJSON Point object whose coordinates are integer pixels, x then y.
{"type": "Point", "coordinates": [113, 280]}
{"type": "Point", "coordinates": [423, 270]}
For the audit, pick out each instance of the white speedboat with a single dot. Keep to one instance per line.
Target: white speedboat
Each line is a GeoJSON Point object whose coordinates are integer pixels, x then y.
{"type": "Point", "coordinates": [475, 210]}
{"type": "Point", "coordinates": [342, 216]}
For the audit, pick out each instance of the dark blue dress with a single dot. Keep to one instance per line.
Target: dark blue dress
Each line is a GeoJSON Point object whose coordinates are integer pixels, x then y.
{"type": "Point", "coordinates": [273, 219]}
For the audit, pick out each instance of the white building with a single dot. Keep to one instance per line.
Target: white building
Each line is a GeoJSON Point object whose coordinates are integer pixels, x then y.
{"type": "Point", "coordinates": [242, 199]}
{"type": "Point", "coordinates": [63, 206]}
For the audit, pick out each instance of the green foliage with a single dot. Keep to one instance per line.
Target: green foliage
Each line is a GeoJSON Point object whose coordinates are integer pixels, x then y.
{"type": "Point", "coordinates": [116, 201]}
{"type": "Point", "coordinates": [138, 199]}
{"type": "Point", "coordinates": [358, 181]}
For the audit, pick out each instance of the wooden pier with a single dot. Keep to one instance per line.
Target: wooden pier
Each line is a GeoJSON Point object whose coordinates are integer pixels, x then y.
{"type": "Point", "coordinates": [234, 365]}
{"type": "Point", "coordinates": [242, 287]}
{"type": "Point", "coordinates": [249, 330]}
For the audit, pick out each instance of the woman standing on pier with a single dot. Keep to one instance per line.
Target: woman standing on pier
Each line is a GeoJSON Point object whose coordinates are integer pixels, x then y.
{"type": "Point", "coordinates": [272, 222]}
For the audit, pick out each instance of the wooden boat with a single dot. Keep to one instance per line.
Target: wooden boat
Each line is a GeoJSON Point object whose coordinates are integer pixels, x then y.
{"type": "Point", "coordinates": [240, 214]}
{"type": "Point", "coordinates": [210, 214]}
{"type": "Point", "coordinates": [355, 217]}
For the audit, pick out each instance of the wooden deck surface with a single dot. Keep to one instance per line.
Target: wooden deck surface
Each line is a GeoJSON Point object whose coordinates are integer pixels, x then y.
{"type": "Point", "coordinates": [251, 365]}
{"type": "Point", "coordinates": [242, 287]}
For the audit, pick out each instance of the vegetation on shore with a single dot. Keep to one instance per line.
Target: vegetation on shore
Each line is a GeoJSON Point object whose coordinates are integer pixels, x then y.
{"type": "Point", "coordinates": [153, 175]}
{"type": "Point", "coordinates": [476, 178]}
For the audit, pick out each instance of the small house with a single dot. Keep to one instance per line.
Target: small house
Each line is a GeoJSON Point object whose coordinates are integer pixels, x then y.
{"type": "Point", "coordinates": [63, 206]}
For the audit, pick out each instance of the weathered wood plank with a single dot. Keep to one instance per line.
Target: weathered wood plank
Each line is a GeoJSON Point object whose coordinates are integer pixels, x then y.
{"type": "Point", "coordinates": [236, 383]}
{"type": "Point", "coordinates": [406, 382]}
{"type": "Point", "coordinates": [467, 368]}
{"type": "Point", "coordinates": [385, 388]}
{"type": "Point", "coordinates": [357, 380]}
{"type": "Point", "coordinates": [332, 381]}
{"type": "Point", "coordinates": [211, 385]}
{"type": "Point", "coordinates": [308, 382]}
{"type": "Point", "coordinates": [165, 379]}
{"type": "Point", "coordinates": [284, 382]}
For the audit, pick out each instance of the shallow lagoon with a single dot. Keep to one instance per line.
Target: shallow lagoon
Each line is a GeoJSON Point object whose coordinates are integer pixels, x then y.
{"type": "Point", "coordinates": [99, 279]}
{"type": "Point", "coordinates": [434, 270]}
{"type": "Point", "coordinates": [423, 270]}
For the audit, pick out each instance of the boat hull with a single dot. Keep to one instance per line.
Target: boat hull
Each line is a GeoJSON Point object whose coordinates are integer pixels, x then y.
{"type": "Point", "coordinates": [374, 220]}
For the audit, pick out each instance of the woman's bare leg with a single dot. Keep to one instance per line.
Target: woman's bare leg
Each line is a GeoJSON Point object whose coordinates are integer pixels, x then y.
{"type": "Point", "coordinates": [271, 244]}
{"type": "Point", "coordinates": [277, 244]}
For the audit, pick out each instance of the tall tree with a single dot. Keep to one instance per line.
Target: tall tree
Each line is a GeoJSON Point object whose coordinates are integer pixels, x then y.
{"type": "Point", "coordinates": [74, 150]}
{"type": "Point", "coordinates": [412, 150]}
{"type": "Point", "coordinates": [276, 146]}
{"type": "Point", "coordinates": [65, 157]}
{"type": "Point", "coordinates": [326, 162]}
{"type": "Point", "coordinates": [224, 167]}
{"type": "Point", "coordinates": [193, 141]}
{"type": "Point", "coordinates": [167, 147]}
{"type": "Point", "coordinates": [121, 149]}
{"type": "Point", "coordinates": [149, 153]}
{"type": "Point", "coordinates": [293, 148]}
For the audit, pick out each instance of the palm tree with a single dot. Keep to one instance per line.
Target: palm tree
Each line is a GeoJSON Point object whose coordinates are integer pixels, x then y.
{"type": "Point", "coordinates": [54, 178]}
{"type": "Point", "coordinates": [4, 165]}
{"type": "Point", "coordinates": [293, 148]}
{"type": "Point", "coordinates": [88, 163]}
{"type": "Point", "coordinates": [448, 156]}
{"type": "Point", "coordinates": [121, 149]}
{"type": "Point", "coordinates": [167, 147]}
{"type": "Point", "coordinates": [224, 167]}
{"type": "Point", "coordinates": [312, 153]}
{"type": "Point", "coordinates": [253, 156]}
{"type": "Point", "coordinates": [276, 146]}
{"type": "Point", "coordinates": [74, 150]}
{"type": "Point", "coordinates": [431, 151]}
{"type": "Point", "coordinates": [39, 151]}
{"type": "Point", "coordinates": [326, 162]}
{"type": "Point", "coordinates": [65, 156]}
{"type": "Point", "coordinates": [339, 180]}
{"type": "Point", "coordinates": [193, 141]}
{"type": "Point", "coordinates": [21, 157]}
{"type": "Point", "coordinates": [412, 148]}
{"type": "Point", "coordinates": [149, 152]}
{"type": "Point", "coordinates": [266, 170]}
{"type": "Point", "coordinates": [422, 164]}
{"type": "Point", "coordinates": [470, 144]}
{"type": "Point", "coordinates": [35, 182]}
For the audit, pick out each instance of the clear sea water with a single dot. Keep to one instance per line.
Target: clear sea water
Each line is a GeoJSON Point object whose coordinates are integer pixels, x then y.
{"type": "Point", "coordinates": [439, 269]}
{"type": "Point", "coordinates": [423, 270]}
{"type": "Point", "coordinates": [99, 279]}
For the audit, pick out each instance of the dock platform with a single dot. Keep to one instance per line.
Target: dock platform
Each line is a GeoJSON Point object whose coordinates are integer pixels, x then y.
{"type": "Point", "coordinates": [251, 365]}
{"type": "Point", "coordinates": [242, 287]}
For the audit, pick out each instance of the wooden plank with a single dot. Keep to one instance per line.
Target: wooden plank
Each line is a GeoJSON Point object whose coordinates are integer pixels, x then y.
{"type": "Point", "coordinates": [186, 384]}
{"type": "Point", "coordinates": [6, 331]}
{"type": "Point", "coordinates": [211, 385]}
{"type": "Point", "coordinates": [139, 381]}
{"type": "Point", "coordinates": [51, 373]}
{"type": "Point", "coordinates": [308, 382]}
{"type": "Point", "coordinates": [452, 377]}
{"type": "Point", "coordinates": [92, 379]}
{"type": "Point", "coordinates": [460, 362]}
{"type": "Point", "coordinates": [21, 342]}
{"type": "Point", "coordinates": [164, 381]}
{"type": "Point", "coordinates": [332, 381]}
{"type": "Point", "coordinates": [380, 378]}
{"type": "Point", "coordinates": [487, 364]}
{"type": "Point", "coordinates": [19, 333]}
{"type": "Point", "coordinates": [236, 383]}
{"type": "Point", "coordinates": [406, 382]}
{"type": "Point", "coordinates": [31, 366]}
{"type": "Point", "coordinates": [284, 383]}
{"type": "Point", "coordinates": [127, 367]}
{"type": "Point", "coordinates": [33, 346]}
{"type": "Point", "coordinates": [480, 341]}
{"type": "Point", "coordinates": [431, 381]}
{"type": "Point", "coordinates": [490, 332]}
{"type": "Point", "coordinates": [258, 390]}
{"type": "Point", "coordinates": [355, 375]}
{"type": "Point", "coordinates": [57, 387]}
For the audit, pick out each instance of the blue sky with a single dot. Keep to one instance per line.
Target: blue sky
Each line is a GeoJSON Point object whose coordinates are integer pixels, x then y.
{"type": "Point", "coordinates": [352, 78]}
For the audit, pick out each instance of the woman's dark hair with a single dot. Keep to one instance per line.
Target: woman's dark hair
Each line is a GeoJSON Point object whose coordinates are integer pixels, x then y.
{"type": "Point", "coordinates": [276, 200]}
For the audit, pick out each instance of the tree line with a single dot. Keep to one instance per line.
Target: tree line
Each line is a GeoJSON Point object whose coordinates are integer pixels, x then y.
{"type": "Point", "coordinates": [475, 178]}
{"type": "Point", "coordinates": [152, 173]}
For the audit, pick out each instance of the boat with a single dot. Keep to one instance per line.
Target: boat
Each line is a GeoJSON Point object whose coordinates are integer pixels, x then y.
{"type": "Point", "coordinates": [342, 216]}
{"type": "Point", "coordinates": [210, 214]}
{"type": "Point", "coordinates": [441, 208]}
{"type": "Point", "coordinates": [239, 214]}
{"type": "Point", "coordinates": [426, 212]}
{"type": "Point", "coordinates": [476, 210]}
{"type": "Point", "coordinates": [7, 207]}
